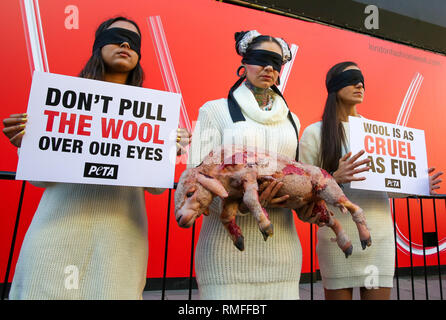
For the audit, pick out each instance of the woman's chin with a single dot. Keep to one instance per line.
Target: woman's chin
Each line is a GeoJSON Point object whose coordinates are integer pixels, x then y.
{"type": "Point", "coordinates": [121, 66]}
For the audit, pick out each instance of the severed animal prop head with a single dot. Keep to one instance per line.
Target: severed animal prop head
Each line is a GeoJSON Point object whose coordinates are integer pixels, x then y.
{"type": "Point", "coordinates": [194, 194]}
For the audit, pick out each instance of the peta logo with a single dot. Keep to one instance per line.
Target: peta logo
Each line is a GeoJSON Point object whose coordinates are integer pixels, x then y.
{"type": "Point", "coordinates": [100, 170]}
{"type": "Point", "coordinates": [393, 183]}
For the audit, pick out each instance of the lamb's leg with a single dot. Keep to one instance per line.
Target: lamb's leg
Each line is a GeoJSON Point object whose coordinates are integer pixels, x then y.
{"type": "Point", "coordinates": [227, 217]}
{"type": "Point", "coordinates": [333, 195]}
{"type": "Point", "coordinates": [326, 217]}
{"type": "Point", "coordinates": [358, 217]}
{"type": "Point", "coordinates": [251, 200]}
{"type": "Point", "coordinates": [342, 238]}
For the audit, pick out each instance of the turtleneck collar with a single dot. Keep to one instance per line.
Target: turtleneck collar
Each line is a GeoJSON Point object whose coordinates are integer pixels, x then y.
{"type": "Point", "coordinates": [251, 109]}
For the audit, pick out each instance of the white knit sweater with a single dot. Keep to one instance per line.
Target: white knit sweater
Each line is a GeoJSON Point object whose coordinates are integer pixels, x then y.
{"type": "Point", "coordinates": [373, 266]}
{"type": "Point", "coordinates": [264, 270]}
{"type": "Point", "coordinates": [84, 242]}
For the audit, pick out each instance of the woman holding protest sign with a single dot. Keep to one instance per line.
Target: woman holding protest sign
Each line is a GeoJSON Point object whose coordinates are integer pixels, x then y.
{"type": "Point", "coordinates": [89, 241]}
{"type": "Point", "coordinates": [326, 144]}
{"type": "Point", "coordinates": [254, 115]}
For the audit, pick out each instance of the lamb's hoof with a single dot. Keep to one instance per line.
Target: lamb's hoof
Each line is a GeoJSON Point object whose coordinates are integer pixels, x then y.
{"type": "Point", "coordinates": [240, 243]}
{"type": "Point", "coordinates": [348, 251]}
{"type": "Point", "coordinates": [366, 243]}
{"type": "Point", "coordinates": [267, 232]}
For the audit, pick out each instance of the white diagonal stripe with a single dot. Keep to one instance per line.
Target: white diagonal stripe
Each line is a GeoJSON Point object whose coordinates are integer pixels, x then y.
{"type": "Point", "coordinates": [166, 64]}
{"type": "Point", "coordinates": [287, 68]}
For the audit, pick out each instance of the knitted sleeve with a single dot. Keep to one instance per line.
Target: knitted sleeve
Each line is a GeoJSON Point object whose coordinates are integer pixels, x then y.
{"type": "Point", "coordinates": [39, 184]}
{"type": "Point", "coordinates": [206, 137]}
{"type": "Point", "coordinates": [296, 121]}
{"type": "Point", "coordinates": [155, 191]}
{"type": "Point", "coordinates": [42, 184]}
{"type": "Point", "coordinates": [310, 145]}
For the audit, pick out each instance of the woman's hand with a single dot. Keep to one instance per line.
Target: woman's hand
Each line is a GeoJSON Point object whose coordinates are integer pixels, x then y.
{"type": "Point", "coordinates": [306, 214]}
{"type": "Point", "coordinates": [433, 180]}
{"type": "Point", "coordinates": [183, 139]}
{"type": "Point", "coordinates": [14, 128]}
{"type": "Point", "coordinates": [348, 167]}
{"type": "Point", "coordinates": [267, 193]}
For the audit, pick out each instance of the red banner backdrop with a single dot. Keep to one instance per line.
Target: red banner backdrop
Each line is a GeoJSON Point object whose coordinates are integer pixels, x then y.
{"type": "Point", "coordinates": [403, 85]}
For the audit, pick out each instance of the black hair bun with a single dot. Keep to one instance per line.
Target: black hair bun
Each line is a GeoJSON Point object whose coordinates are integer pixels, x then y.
{"type": "Point", "coordinates": [238, 36]}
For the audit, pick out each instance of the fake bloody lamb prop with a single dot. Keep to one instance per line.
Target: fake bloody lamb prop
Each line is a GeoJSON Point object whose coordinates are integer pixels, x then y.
{"type": "Point", "coordinates": [234, 174]}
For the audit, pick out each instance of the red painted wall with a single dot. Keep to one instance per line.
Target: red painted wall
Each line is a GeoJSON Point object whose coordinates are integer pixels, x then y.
{"type": "Point", "coordinates": [200, 38]}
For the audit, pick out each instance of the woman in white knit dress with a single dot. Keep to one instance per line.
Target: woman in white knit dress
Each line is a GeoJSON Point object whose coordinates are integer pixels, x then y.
{"type": "Point", "coordinates": [88, 241]}
{"type": "Point", "coordinates": [326, 144]}
{"type": "Point", "coordinates": [256, 116]}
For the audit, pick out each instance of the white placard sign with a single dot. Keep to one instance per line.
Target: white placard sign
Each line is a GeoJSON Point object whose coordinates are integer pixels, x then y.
{"type": "Point", "coordinates": [398, 156]}
{"type": "Point", "coordinates": [97, 132]}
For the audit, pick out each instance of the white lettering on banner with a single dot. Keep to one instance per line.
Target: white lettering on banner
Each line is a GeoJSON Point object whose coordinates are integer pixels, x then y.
{"type": "Point", "coordinates": [195, 310]}
{"type": "Point", "coordinates": [227, 309]}
{"type": "Point", "coordinates": [244, 309]}
{"type": "Point", "coordinates": [101, 171]}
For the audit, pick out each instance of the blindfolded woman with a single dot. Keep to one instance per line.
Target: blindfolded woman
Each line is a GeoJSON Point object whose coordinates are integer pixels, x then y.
{"type": "Point", "coordinates": [89, 241]}
{"type": "Point", "coordinates": [326, 144]}
{"type": "Point", "coordinates": [254, 115]}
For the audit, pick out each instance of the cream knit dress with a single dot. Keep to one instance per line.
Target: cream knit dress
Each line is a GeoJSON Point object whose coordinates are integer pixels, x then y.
{"type": "Point", "coordinates": [372, 267]}
{"type": "Point", "coordinates": [264, 270]}
{"type": "Point", "coordinates": [84, 242]}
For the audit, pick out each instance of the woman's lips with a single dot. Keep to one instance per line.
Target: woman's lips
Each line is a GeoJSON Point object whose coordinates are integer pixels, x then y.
{"type": "Point", "coordinates": [124, 54]}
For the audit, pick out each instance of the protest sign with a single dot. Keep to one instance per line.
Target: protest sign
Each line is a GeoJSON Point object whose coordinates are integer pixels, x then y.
{"type": "Point", "coordinates": [397, 154]}
{"type": "Point", "coordinates": [97, 132]}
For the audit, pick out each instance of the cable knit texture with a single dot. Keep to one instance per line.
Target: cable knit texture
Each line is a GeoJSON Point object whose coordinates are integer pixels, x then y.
{"type": "Point", "coordinates": [360, 269]}
{"type": "Point", "coordinates": [264, 270]}
{"type": "Point", "coordinates": [95, 234]}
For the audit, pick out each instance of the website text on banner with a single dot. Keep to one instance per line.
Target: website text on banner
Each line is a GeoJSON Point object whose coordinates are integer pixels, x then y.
{"type": "Point", "coordinates": [398, 156]}
{"type": "Point", "coordinates": [96, 132]}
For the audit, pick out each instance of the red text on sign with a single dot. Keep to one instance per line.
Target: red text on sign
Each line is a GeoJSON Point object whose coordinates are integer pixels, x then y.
{"type": "Point", "coordinates": [66, 122]}
{"type": "Point", "coordinates": [130, 130]}
{"type": "Point", "coordinates": [393, 148]}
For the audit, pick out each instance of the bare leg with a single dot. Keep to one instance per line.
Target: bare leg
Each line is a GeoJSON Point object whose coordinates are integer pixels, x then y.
{"type": "Point", "coordinates": [339, 294]}
{"type": "Point", "coordinates": [227, 217]}
{"type": "Point", "coordinates": [375, 294]}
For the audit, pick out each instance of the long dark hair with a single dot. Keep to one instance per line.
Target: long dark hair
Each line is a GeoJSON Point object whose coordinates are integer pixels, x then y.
{"type": "Point", "coordinates": [332, 132]}
{"type": "Point", "coordinates": [95, 66]}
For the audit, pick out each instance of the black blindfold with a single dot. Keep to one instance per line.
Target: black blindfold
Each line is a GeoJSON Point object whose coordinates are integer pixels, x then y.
{"type": "Point", "coordinates": [263, 58]}
{"type": "Point", "coordinates": [344, 79]}
{"type": "Point", "coordinates": [118, 36]}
